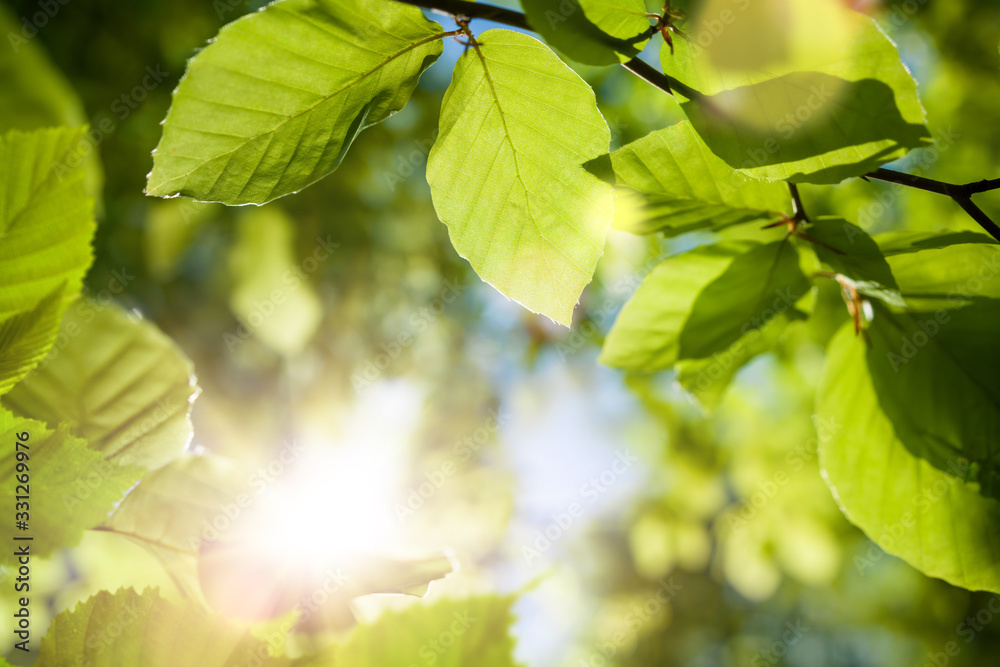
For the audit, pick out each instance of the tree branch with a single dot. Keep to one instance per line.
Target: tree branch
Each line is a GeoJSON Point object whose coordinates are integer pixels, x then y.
{"type": "Point", "coordinates": [961, 194]}
{"type": "Point", "coordinates": [798, 211]}
{"type": "Point", "coordinates": [462, 10]}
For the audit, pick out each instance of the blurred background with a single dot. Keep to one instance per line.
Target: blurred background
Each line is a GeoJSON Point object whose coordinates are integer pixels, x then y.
{"type": "Point", "coordinates": [643, 526]}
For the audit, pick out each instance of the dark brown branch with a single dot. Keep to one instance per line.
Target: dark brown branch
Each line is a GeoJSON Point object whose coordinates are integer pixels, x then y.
{"type": "Point", "coordinates": [798, 211]}
{"type": "Point", "coordinates": [457, 9]}
{"type": "Point", "coordinates": [460, 10]}
{"type": "Point", "coordinates": [962, 194]}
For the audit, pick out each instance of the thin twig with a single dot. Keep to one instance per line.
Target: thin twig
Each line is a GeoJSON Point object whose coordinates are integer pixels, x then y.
{"type": "Point", "coordinates": [798, 211]}
{"type": "Point", "coordinates": [961, 194]}
{"type": "Point", "coordinates": [463, 10]}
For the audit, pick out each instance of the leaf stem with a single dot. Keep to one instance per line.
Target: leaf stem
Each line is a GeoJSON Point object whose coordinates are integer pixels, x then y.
{"type": "Point", "coordinates": [798, 211]}
{"type": "Point", "coordinates": [961, 194]}
{"type": "Point", "coordinates": [462, 9]}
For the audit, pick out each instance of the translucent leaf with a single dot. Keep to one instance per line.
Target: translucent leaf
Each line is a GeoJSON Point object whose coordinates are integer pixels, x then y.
{"type": "Point", "coordinates": [934, 374]}
{"type": "Point", "coordinates": [271, 296]}
{"type": "Point", "coordinates": [273, 104]}
{"type": "Point", "coordinates": [69, 487]}
{"type": "Point", "coordinates": [935, 274]}
{"type": "Point", "coordinates": [127, 628]}
{"type": "Point", "coordinates": [477, 629]}
{"type": "Point", "coordinates": [851, 252]}
{"type": "Point", "coordinates": [592, 32]}
{"type": "Point", "coordinates": [34, 94]}
{"type": "Point", "coordinates": [506, 175]}
{"type": "Point", "coordinates": [26, 338]}
{"type": "Point", "coordinates": [46, 219]}
{"type": "Point", "coordinates": [930, 518]}
{"type": "Point", "coordinates": [118, 382]}
{"type": "Point", "coordinates": [175, 508]}
{"type": "Point", "coordinates": [687, 188]}
{"type": "Point", "coordinates": [799, 90]}
{"type": "Point", "coordinates": [698, 304]}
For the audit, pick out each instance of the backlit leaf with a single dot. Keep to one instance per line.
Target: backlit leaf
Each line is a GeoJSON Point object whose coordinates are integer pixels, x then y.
{"type": "Point", "coordinates": [273, 104]}
{"type": "Point", "coordinates": [800, 90]}
{"type": "Point", "coordinates": [506, 175]}
{"type": "Point", "coordinates": [118, 382]}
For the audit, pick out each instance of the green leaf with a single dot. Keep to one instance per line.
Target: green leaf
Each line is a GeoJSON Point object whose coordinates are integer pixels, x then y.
{"type": "Point", "coordinates": [273, 104]}
{"type": "Point", "coordinates": [271, 296]}
{"type": "Point", "coordinates": [46, 219]}
{"type": "Point", "coordinates": [592, 32]}
{"type": "Point", "coordinates": [934, 374]}
{"type": "Point", "coordinates": [126, 628]}
{"type": "Point", "coordinates": [175, 508]}
{"type": "Point", "coordinates": [930, 518]}
{"type": "Point", "coordinates": [707, 379]}
{"type": "Point", "coordinates": [800, 90]}
{"type": "Point", "coordinates": [851, 252]}
{"type": "Point", "coordinates": [478, 629]}
{"type": "Point", "coordinates": [700, 303]}
{"type": "Point", "coordinates": [948, 276]}
{"type": "Point", "coordinates": [687, 188]}
{"type": "Point", "coordinates": [506, 175]}
{"type": "Point", "coordinates": [119, 383]}
{"type": "Point", "coordinates": [26, 338]}
{"type": "Point", "coordinates": [34, 95]}
{"type": "Point", "coordinates": [70, 487]}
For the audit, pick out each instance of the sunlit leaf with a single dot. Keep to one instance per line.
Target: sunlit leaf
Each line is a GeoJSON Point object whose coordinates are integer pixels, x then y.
{"type": "Point", "coordinates": [46, 219]}
{"type": "Point", "coordinates": [273, 104]}
{"type": "Point", "coordinates": [118, 382]}
{"type": "Point", "coordinates": [934, 275]}
{"type": "Point", "coordinates": [66, 487]}
{"type": "Point", "coordinates": [506, 174]}
{"type": "Point", "coordinates": [271, 295]}
{"type": "Point", "coordinates": [477, 629]}
{"type": "Point", "coordinates": [593, 32]}
{"type": "Point", "coordinates": [851, 252]}
{"type": "Point", "coordinates": [931, 518]}
{"type": "Point", "coordinates": [934, 374]}
{"type": "Point", "coordinates": [193, 498]}
{"type": "Point", "coordinates": [26, 338]}
{"type": "Point", "coordinates": [687, 188]}
{"type": "Point", "coordinates": [803, 90]}
{"type": "Point", "coordinates": [129, 628]}
{"type": "Point", "coordinates": [34, 95]}
{"type": "Point", "coordinates": [697, 304]}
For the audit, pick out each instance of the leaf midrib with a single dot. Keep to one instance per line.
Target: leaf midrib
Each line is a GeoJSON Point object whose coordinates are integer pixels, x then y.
{"type": "Point", "coordinates": [306, 110]}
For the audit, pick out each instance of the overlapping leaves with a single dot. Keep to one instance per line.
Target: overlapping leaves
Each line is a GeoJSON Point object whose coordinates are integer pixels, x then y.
{"type": "Point", "coordinates": [506, 172]}
{"type": "Point", "coordinates": [273, 104]}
